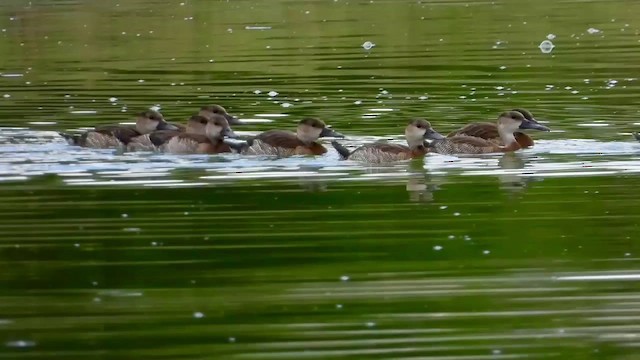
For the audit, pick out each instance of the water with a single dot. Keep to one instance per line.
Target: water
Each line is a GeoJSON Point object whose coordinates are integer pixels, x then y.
{"type": "Point", "coordinates": [140, 255]}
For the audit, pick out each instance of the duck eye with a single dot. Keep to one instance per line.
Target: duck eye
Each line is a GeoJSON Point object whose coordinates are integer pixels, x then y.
{"type": "Point", "coordinates": [203, 121]}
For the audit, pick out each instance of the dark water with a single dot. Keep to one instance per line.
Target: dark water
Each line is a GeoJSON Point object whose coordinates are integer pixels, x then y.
{"type": "Point", "coordinates": [150, 256]}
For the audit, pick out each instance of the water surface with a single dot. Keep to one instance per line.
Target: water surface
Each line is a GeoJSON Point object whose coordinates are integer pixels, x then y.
{"type": "Point", "coordinates": [142, 255]}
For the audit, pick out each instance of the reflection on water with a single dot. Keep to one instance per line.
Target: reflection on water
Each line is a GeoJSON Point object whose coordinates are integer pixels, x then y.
{"type": "Point", "coordinates": [141, 255]}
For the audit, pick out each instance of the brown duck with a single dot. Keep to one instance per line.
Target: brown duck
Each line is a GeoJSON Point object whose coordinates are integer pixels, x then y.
{"type": "Point", "coordinates": [116, 136]}
{"type": "Point", "coordinates": [489, 131]}
{"type": "Point", "coordinates": [211, 142]}
{"type": "Point", "coordinates": [508, 123]}
{"type": "Point", "coordinates": [380, 152]}
{"type": "Point", "coordinates": [144, 143]}
{"type": "Point", "coordinates": [284, 143]}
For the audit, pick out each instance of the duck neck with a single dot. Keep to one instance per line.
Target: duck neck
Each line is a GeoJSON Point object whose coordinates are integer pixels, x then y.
{"type": "Point", "coordinates": [506, 135]}
{"type": "Point", "coordinates": [414, 142]}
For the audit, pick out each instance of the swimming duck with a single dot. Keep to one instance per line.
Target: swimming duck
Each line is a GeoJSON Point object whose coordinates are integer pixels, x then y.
{"type": "Point", "coordinates": [489, 131]}
{"type": "Point", "coordinates": [287, 143]}
{"type": "Point", "coordinates": [508, 122]}
{"type": "Point", "coordinates": [114, 136]}
{"type": "Point", "coordinates": [211, 142]}
{"type": "Point", "coordinates": [143, 142]}
{"type": "Point", "coordinates": [150, 142]}
{"type": "Point", "coordinates": [415, 133]}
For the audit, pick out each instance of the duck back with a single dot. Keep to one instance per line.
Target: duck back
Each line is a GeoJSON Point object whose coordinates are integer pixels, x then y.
{"type": "Point", "coordinates": [282, 144]}
{"type": "Point", "coordinates": [489, 131]}
{"type": "Point", "coordinates": [462, 144]}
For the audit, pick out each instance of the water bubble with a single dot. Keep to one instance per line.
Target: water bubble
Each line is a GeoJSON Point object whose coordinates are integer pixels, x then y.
{"type": "Point", "coordinates": [437, 248]}
{"type": "Point", "coordinates": [370, 324]}
{"type": "Point", "coordinates": [486, 252]}
{"type": "Point", "coordinates": [443, 207]}
{"type": "Point", "coordinates": [338, 306]}
{"type": "Point", "coordinates": [286, 105]}
{"type": "Point", "coordinates": [423, 97]}
{"type": "Point", "coordinates": [546, 47]}
{"type": "Point", "coordinates": [124, 216]}
{"type": "Point", "coordinates": [502, 67]}
{"type": "Point", "coordinates": [273, 93]}
{"type": "Point", "coordinates": [20, 343]}
{"type": "Point", "coordinates": [344, 278]}
{"type": "Point", "coordinates": [593, 30]}
{"type": "Point", "coordinates": [551, 36]}
{"type": "Point", "coordinates": [232, 339]}
{"type": "Point", "coordinates": [6, 96]}
{"type": "Point", "coordinates": [141, 81]}
{"type": "Point", "coordinates": [368, 45]}
{"type": "Point", "coordinates": [113, 99]}
{"type": "Point", "coordinates": [198, 315]}
{"type": "Point", "coordinates": [456, 214]}
{"type": "Point", "coordinates": [357, 102]}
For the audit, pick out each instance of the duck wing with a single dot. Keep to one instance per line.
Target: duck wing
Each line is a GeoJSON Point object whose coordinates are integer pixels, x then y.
{"type": "Point", "coordinates": [280, 138]}
{"type": "Point", "coordinates": [479, 130]}
{"type": "Point", "coordinates": [122, 133]}
{"type": "Point", "coordinates": [160, 137]}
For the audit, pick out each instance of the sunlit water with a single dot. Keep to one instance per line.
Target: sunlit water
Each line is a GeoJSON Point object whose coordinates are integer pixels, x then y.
{"type": "Point", "coordinates": [143, 255]}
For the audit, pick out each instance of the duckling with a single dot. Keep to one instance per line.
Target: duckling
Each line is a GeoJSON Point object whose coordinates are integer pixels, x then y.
{"type": "Point", "coordinates": [211, 142]}
{"type": "Point", "coordinates": [150, 142]}
{"type": "Point", "coordinates": [489, 131]}
{"type": "Point", "coordinates": [286, 143]}
{"type": "Point", "coordinates": [508, 123]}
{"type": "Point", "coordinates": [415, 133]}
{"type": "Point", "coordinates": [115, 136]}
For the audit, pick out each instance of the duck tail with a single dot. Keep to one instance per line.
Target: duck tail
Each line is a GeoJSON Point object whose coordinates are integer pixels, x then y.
{"type": "Point", "coordinates": [343, 151]}
{"type": "Point", "coordinates": [636, 135]}
{"type": "Point", "coordinates": [72, 139]}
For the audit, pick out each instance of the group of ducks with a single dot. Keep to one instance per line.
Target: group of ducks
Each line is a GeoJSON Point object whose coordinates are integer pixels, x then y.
{"type": "Point", "coordinates": [209, 132]}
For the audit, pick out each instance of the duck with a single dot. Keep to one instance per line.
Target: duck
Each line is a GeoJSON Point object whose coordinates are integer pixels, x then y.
{"type": "Point", "coordinates": [118, 136]}
{"type": "Point", "coordinates": [196, 124]}
{"type": "Point", "coordinates": [636, 135]}
{"type": "Point", "coordinates": [283, 143]}
{"type": "Point", "coordinates": [144, 142]}
{"type": "Point", "coordinates": [508, 123]}
{"type": "Point", "coordinates": [489, 131]}
{"type": "Point", "coordinates": [380, 152]}
{"type": "Point", "coordinates": [210, 142]}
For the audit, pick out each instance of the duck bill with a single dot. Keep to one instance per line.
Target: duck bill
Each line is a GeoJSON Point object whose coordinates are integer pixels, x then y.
{"type": "Point", "coordinates": [433, 135]}
{"type": "Point", "coordinates": [533, 126]}
{"type": "Point", "coordinates": [228, 133]}
{"type": "Point", "coordinates": [328, 132]}
{"type": "Point", "coordinates": [163, 125]}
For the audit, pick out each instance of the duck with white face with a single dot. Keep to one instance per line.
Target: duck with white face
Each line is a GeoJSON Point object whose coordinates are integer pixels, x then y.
{"type": "Point", "coordinates": [211, 141]}
{"type": "Point", "coordinates": [118, 136]}
{"type": "Point", "coordinates": [415, 133]}
{"type": "Point", "coordinates": [282, 143]}
{"type": "Point", "coordinates": [489, 131]}
{"type": "Point", "coordinates": [508, 123]}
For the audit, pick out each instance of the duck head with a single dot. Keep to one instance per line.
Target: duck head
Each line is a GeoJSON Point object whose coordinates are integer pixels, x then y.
{"type": "Point", "coordinates": [529, 116]}
{"type": "Point", "coordinates": [210, 110]}
{"type": "Point", "coordinates": [310, 129]}
{"type": "Point", "coordinates": [150, 120]}
{"type": "Point", "coordinates": [418, 130]}
{"type": "Point", "coordinates": [197, 125]}
{"type": "Point", "coordinates": [218, 128]}
{"type": "Point", "coordinates": [510, 121]}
